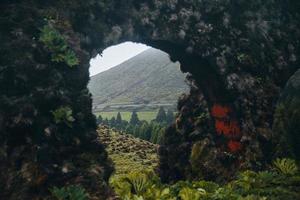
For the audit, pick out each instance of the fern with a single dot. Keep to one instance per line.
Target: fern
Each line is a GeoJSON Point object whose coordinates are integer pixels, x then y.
{"type": "Point", "coordinates": [189, 194]}
{"type": "Point", "coordinates": [57, 45]}
{"type": "Point", "coordinates": [138, 182]}
{"type": "Point", "coordinates": [286, 166]}
{"type": "Point", "coordinates": [63, 115]}
{"type": "Point", "coordinates": [249, 185]}
{"type": "Point", "coordinates": [154, 192]}
{"type": "Point", "coordinates": [71, 192]}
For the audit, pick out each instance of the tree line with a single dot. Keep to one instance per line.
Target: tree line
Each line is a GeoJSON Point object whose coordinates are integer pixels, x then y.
{"type": "Point", "coordinates": [150, 131]}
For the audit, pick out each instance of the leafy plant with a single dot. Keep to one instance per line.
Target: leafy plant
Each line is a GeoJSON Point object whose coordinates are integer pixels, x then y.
{"type": "Point", "coordinates": [56, 43]}
{"type": "Point", "coordinates": [155, 192]}
{"type": "Point", "coordinates": [138, 182]}
{"type": "Point", "coordinates": [63, 115]}
{"type": "Point", "coordinates": [188, 194]}
{"type": "Point", "coordinates": [72, 192]}
{"type": "Point", "coordinates": [249, 185]}
{"type": "Point", "coordinates": [203, 116]}
{"type": "Point", "coordinates": [286, 166]}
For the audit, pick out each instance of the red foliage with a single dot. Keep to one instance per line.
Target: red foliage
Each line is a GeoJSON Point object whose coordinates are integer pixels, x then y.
{"type": "Point", "coordinates": [230, 128]}
{"type": "Point", "coordinates": [219, 111]}
{"type": "Point", "coordinates": [234, 146]}
{"type": "Point", "coordinates": [227, 126]}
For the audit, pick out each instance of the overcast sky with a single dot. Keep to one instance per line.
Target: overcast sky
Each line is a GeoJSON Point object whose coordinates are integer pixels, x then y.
{"type": "Point", "coordinates": [115, 55]}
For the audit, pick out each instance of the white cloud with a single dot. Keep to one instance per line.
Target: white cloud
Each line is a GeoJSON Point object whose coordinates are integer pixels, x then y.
{"type": "Point", "coordinates": [115, 55]}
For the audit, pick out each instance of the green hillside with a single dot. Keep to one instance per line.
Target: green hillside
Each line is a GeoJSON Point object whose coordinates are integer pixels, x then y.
{"type": "Point", "coordinates": [127, 152]}
{"type": "Point", "coordinates": [144, 82]}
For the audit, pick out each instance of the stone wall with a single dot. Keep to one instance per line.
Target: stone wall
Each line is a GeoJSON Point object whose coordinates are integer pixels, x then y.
{"type": "Point", "coordinates": [240, 55]}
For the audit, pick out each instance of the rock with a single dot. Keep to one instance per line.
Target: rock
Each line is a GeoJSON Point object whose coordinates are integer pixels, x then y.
{"type": "Point", "coordinates": [286, 119]}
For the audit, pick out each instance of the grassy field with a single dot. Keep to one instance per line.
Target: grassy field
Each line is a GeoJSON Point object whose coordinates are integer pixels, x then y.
{"type": "Point", "coordinates": [143, 115]}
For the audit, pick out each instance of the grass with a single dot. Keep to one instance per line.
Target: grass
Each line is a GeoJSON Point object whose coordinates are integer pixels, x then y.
{"type": "Point", "coordinates": [143, 115]}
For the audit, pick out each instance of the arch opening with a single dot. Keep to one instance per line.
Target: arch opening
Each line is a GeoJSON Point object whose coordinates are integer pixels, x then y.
{"type": "Point", "coordinates": [135, 95]}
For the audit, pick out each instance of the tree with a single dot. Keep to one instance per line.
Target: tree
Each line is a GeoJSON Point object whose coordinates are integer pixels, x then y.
{"type": "Point", "coordinates": [155, 128]}
{"type": "Point", "coordinates": [134, 120]}
{"type": "Point", "coordinates": [161, 115]}
{"type": "Point", "coordinates": [112, 121]}
{"type": "Point", "coordinates": [105, 121]}
{"type": "Point", "coordinates": [99, 119]}
{"type": "Point", "coordinates": [144, 131]}
{"type": "Point", "coordinates": [170, 116]}
{"type": "Point", "coordinates": [160, 135]}
{"type": "Point", "coordinates": [129, 129]}
{"type": "Point", "coordinates": [119, 119]}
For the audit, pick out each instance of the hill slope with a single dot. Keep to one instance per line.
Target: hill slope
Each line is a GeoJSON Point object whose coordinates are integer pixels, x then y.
{"type": "Point", "coordinates": [127, 152]}
{"type": "Point", "coordinates": [147, 80]}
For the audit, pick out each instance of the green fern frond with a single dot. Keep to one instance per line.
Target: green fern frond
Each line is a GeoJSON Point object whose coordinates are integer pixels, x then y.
{"type": "Point", "coordinates": [63, 114]}
{"type": "Point", "coordinates": [72, 192]}
{"type": "Point", "coordinates": [286, 166]}
{"type": "Point", "coordinates": [57, 45]}
{"type": "Point", "coordinates": [138, 182]}
{"type": "Point", "coordinates": [189, 194]}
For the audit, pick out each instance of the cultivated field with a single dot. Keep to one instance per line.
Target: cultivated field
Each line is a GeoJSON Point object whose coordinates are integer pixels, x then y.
{"type": "Point", "coordinates": [143, 115]}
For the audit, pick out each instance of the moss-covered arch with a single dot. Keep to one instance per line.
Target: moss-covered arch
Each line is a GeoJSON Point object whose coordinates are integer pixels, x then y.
{"type": "Point", "coordinates": [240, 54]}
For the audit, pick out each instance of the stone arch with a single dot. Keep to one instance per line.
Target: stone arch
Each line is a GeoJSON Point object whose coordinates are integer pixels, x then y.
{"type": "Point", "coordinates": [238, 58]}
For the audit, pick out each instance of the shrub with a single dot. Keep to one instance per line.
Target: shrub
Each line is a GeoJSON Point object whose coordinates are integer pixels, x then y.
{"type": "Point", "coordinates": [248, 185]}
{"type": "Point", "coordinates": [188, 194]}
{"type": "Point", "coordinates": [72, 192]}
{"type": "Point", "coordinates": [286, 166]}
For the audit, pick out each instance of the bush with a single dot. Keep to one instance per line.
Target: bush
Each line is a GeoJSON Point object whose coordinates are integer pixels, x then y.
{"type": "Point", "coordinates": [72, 192]}
{"type": "Point", "coordinates": [248, 185]}
{"type": "Point", "coordinates": [286, 166]}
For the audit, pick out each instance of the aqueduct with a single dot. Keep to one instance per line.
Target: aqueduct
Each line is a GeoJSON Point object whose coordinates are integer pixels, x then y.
{"type": "Point", "coordinates": [240, 54]}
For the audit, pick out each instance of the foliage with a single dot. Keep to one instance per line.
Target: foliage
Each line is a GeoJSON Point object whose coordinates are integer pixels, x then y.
{"type": "Point", "coordinates": [152, 131]}
{"type": "Point", "coordinates": [196, 153]}
{"type": "Point", "coordinates": [126, 115]}
{"type": "Point", "coordinates": [127, 152]}
{"type": "Point", "coordinates": [188, 193]}
{"type": "Point", "coordinates": [72, 192]}
{"type": "Point", "coordinates": [99, 119]}
{"type": "Point", "coordinates": [56, 43]}
{"type": "Point", "coordinates": [119, 118]}
{"type": "Point", "coordinates": [63, 115]}
{"type": "Point", "coordinates": [137, 182]}
{"type": "Point", "coordinates": [286, 166]}
{"type": "Point", "coordinates": [248, 185]}
{"type": "Point", "coordinates": [161, 115]}
{"type": "Point", "coordinates": [170, 116]}
{"type": "Point", "coordinates": [134, 120]}
{"type": "Point", "coordinates": [141, 185]}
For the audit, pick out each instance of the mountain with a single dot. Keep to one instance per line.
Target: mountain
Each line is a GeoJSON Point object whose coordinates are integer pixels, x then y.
{"type": "Point", "coordinates": [146, 81]}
